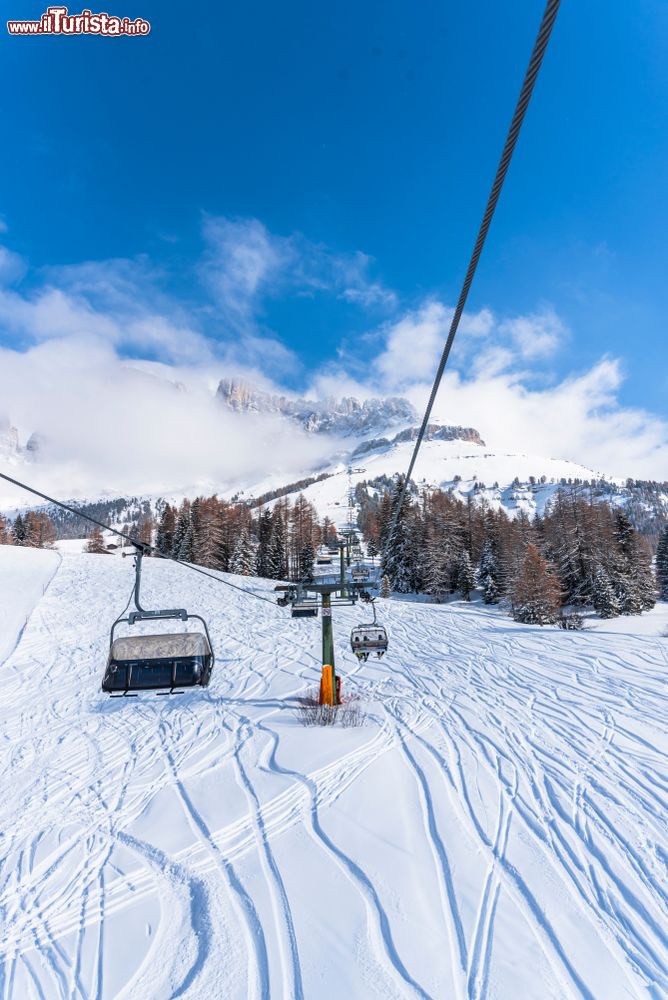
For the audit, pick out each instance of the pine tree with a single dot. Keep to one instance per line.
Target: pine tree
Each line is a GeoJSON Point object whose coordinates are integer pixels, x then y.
{"type": "Point", "coordinates": [535, 591]}
{"type": "Point", "coordinates": [465, 575]}
{"type": "Point", "coordinates": [489, 573]}
{"type": "Point", "coordinates": [264, 535]}
{"type": "Point", "coordinates": [633, 575]}
{"type": "Point", "coordinates": [4, 532]}
{"type": "Point", "coordinates": [243, 557]}
{"type": "Point", "coordinates": [95, 544]}
{"type": "Point", "coordinates": [398, 553]}
{"type": "Point", "coordinates": [277, 554]}
{"type": "Point", "coordinates": [662, 564]}
{"type": "Point", "coordinates": [183, 526]}
{"type": "Point", "coordinates": [306, 562]}
{"type": "Point", "coordinates": [186, 552]}
{"type": "Point", "coordinates": [19, 531]}
{"type": "Point", "coordinates": [437, 569]}
{"type": "Point", "coordinates": [385, 587]}
{"type": "Point", "coordinates": [605, 598]}
{"type": "Point", "coordinates": [39, 532]}
{"type": "Point", "coordinates": [164, 540]}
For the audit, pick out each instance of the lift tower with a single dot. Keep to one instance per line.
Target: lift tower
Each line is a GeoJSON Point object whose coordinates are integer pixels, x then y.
{"type": "Point", "coordinates": [304, 600]}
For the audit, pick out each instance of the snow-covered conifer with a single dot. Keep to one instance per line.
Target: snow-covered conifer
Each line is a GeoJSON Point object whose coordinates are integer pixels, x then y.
{"type": "Point", "coordinates": [662, 564]}
{"type": "Point", "coordinates": [243, 557]}
{"type": "Point", "coordinates": [465, 575]}
{"type": "Point", "coordinates": [399, 555]}
{"type": "Point", "coordinates": [183, 525]}
{"type": "Point", "coordinates": [306, 562]}
{"type": "Point", "coordinates": [186, 551]}
{"type": "Point", "coordinates": [264, 527]}
{"type": "Point", "coordinates": [165, 536]}
{"type": "Point", "coordinates": [605, 598]}
{"type": "Point", "coordinates": [277, 553]}
{"type": "Point", "coordinates": [489, 572]}
{"type": "Point", "coordinates": [19, 531]}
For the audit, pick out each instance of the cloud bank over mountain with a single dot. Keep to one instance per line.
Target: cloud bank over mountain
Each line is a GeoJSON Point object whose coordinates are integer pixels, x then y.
{"type": "Point", "coordinates": [117, 371]}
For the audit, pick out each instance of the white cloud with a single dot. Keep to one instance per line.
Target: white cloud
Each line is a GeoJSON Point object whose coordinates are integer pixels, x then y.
{"type": "Point", "coordinates": [244, 263]}
{"type": "Point", "coordinates": [12, 266]}
{"type": "Point", "coordinates": [243, 260]}
{"type": "Point", "coordinates": [413, 344]}
{"type": "Point", "coordinates": [496, 381]}
{"type": "Point", "coordinates": [117, 426]}
{"type": "Point", "coordinates": [115, 423]}
{"type": "Point", "coordinates": [580, 418]}
{"type": "Point", "coordinates": [538, 335]}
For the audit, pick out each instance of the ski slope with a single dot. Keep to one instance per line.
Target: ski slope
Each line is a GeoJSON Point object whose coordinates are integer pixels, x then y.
{"type": "Point", "coordinates": [458, 466]}
{"type": "Point", "coordinates": [497, 828]}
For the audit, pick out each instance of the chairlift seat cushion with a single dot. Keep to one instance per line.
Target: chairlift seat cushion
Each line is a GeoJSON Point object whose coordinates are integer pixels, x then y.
{"type": "Point", "coordinates": [159, 647]}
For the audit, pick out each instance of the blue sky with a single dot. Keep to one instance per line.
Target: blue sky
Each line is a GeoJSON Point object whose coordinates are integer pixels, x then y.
{"type": "Point", "coordinates": [346, 151]}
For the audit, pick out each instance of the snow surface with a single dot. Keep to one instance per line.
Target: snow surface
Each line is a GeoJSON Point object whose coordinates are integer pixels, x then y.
{"type": "Point", "coordinates": [438, 464]}
{"type": "Point", "coordinates": [498, 827]}
{"type": "Point", "coordinates": [24, 575]}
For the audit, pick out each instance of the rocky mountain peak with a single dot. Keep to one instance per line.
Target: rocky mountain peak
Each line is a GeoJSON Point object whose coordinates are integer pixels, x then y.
{"type": "Point", "coordinates": [345, 417]}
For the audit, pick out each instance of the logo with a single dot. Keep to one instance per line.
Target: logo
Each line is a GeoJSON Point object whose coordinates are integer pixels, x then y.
{"type": "Point", "coordinates": [57, 21]}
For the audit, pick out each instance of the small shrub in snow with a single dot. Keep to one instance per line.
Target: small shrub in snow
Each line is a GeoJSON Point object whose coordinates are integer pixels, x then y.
{"type": "Point", "coordinates": [572, 622]}
{"type": "Point", "coordinates": [348, 714]}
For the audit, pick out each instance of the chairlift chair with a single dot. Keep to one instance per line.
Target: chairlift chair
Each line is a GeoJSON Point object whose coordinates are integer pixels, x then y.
{"type": "Point", "coordinates": [160, 662]}
{"type": "Point", "coordinates": [305, 609]}
{"type": "Point", "coordinates": [369, 638]}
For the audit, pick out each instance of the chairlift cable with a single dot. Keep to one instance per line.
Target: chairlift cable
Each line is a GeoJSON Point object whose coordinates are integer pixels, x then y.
{"type": "Point", "coordinates": [134, 541]}
{"type": "Point", "coordinates": [539, 48]}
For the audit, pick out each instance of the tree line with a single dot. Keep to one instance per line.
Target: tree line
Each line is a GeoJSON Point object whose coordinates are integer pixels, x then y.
{"type": "Point", "coordinates": [34, 530]}
{"type": "Point", "coordinates": [578, 554]}
{"type": "Point", "coordinates": [280, 543]}
{"type": "Point", "coordinates": [581, 553]}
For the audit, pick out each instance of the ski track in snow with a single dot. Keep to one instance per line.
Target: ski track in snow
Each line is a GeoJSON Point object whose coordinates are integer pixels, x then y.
{"type": "Point", "coordinates": [497, 828]}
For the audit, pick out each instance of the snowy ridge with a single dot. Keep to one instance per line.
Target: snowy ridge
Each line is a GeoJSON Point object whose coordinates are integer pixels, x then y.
{"type": "Point", "coordinates": [496, 828]}
{"type": "Point", "coordinates": [344, 417]}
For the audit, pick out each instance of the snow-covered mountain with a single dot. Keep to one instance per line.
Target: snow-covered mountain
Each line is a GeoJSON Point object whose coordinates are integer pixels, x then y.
{"type": "Point", "coordinates": [345, 417]}
{"type": "Point", "coordinates": [9, 439]}
{"type": "Point", "coordinates": [375, 438]}
{"type": "Point", "coordinates": [10, 446]}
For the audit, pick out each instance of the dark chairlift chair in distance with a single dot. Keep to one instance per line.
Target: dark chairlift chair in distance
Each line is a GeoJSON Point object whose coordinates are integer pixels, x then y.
{"type": "Point", "coordinates": [157, 662]}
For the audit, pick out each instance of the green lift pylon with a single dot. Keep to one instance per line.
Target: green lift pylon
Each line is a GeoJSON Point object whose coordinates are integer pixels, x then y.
{"type": "Point", "coordinates": [331, 595]}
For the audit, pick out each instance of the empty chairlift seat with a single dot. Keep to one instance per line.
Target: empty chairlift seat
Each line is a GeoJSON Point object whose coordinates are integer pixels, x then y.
{"type": "Point", "coordinates": [159, 662]}
{"type": "Point", "coordinates": [366, 639]}
{"type": "Point", "coordinates": [305, 609]}
{"type": "Point", "coordinates": [153, 662]}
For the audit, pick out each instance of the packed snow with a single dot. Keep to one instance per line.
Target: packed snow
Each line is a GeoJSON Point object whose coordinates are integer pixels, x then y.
{"type": "Point", "coordinates": [460, 466]}
{"type": "Point", "coordinates": [496, 828]}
